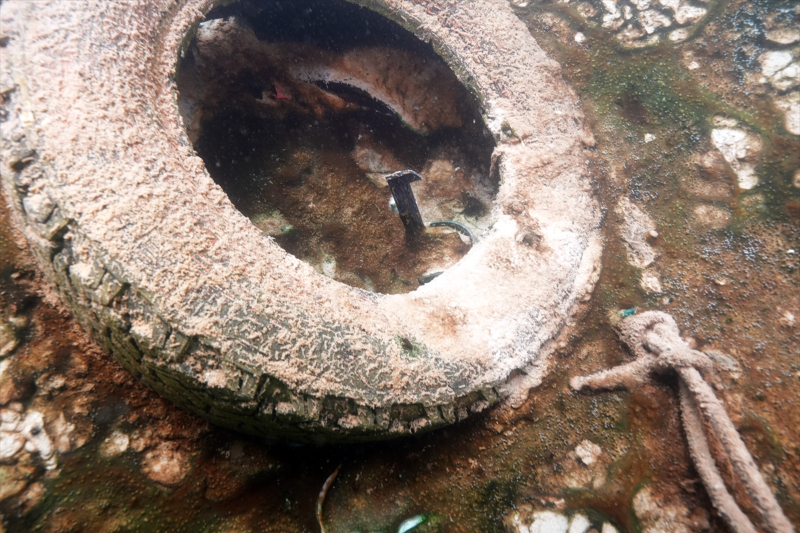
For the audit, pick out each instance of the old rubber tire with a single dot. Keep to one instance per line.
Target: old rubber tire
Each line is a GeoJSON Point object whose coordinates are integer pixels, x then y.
{"type": "Point", "coordinates": [156, 263]}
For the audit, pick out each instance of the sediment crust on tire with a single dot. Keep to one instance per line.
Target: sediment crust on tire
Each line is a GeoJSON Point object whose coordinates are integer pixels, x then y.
{"type": "Point", "coordinates": [153, 260]}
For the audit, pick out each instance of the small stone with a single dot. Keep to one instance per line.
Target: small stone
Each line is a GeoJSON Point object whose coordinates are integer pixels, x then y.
{"type": "Point", "coordinates": [10, 445]}
{"type": "Point", "coordinates": [689, 14]}
{"type": "Point", "coordinates": [709, 217]}
{"type": "Point", "coordinates": [549, 522]}
{"type": "Point", "coordinates": [579, 524]}
{"type": "Point", "coordinates": [31, 497]}
{"type": "Point", "coordinates": [790, 105]}
{"type": "Point", "coordinates": [166, 465]}
{"type": "Point", "coordinates": [649, 137]}
{"type": "Point", "coordinates": [774, 61]}
{"type": "Point", "coordinates": [586, 10]}
{"type": "Point", "coordinates": [796, 179]}
{"type": "Point", "coordinates": [329, 267]}
{"type": "Point", "coordinates": [608, 528]}
{"type": "Point", "coordinates": [788, 319]}
{"type": "Point", "coordinates": [679, 35]}
{"type": "Point", "coordinates": [635, 225]}
{"type": "Point", "coordinates": [612, 21]}
{"type": "Point", "coordinates": [610, 5]}
{"type": "Point", "coordinates": [18, 321]}
{"type": "Point", "coordinates": [12, 481]}
{"type": "Point", "coordinates": [9, 419]}
{"type": "Point", "coordinates": [272, 223]}
{"type": "Point", "coordinates": [37, 440]}
{"type": "Point", "coordinates": [723, 361]}
{"type": "Point", "coordinates": [784, 35]}
{"type": "Point", "coordinates": [694, 65]}
{"type": "Point", "coordinates": [630, 33]}
{"type": "Point", "coordinates": [61, 431]}
{"type": "Point", "coordinates": [652, 20]}
{"type": "Point", "coordinates": [588, 452]}
{"type": "Point", "coordinates": [579, 37]}
{"type": "Point", "coordinates": [116, 444]}
{"type": "Point", "coordinates": [787, 78]}
{"type": "Point", "coordinates": [670, 4]}
{"type": "Point", "coordinates": [739, 148]}
{"type": "Point", "coordinates": [650, 282]}
{"type": "Point", "coordinates": [8, 338]}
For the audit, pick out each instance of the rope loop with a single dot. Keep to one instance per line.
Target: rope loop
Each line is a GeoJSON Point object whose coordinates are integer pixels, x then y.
{"type": "Point", "coordinates": [655, 340]}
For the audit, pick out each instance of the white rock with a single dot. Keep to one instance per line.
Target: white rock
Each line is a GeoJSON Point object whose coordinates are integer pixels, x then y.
{"type": "Point", "coordinates": [329, 267]}
{"type": "Point", "coordinates": [671, 4]}
{"type": "Point", "coordinates": [724, 361]}
{"type": "Point", "coordinates": [10, 444]}
{"type": "Point", "coordinates": [708, 217]}
{"type": "Point", "coordinates": [3, 366]}
{"type": "Point", "coordinates": [679, 35]}
{"type": "Point", "coordinates": [724, 122]}
{"type": "Point", "coordinates": [579, 524]}
{"type": "Point", "coordinates": [579, 37]}
{"type": "Point", "coordinates": [115, 444]}
{"type": "Point", "coordinates": [788, 319]}
{"type": "Point", "coordinates": [656, 514]}
{"type": "Point", "coordinates": [689, 14]}
{"type": "Point", "coordinates": [39, 206]}
{"type": "Point", "coordinates": [784, 35]}
{"type": "Point", "coordinates": [790, 105]}
{"type": "Point", "coordinates": [787, 78]}
{"type": "Point", "coordinates": [774, 61]}
{"type": "Point", "coordinates": [641, 5]}
{"type": "Point", "coordinates": [796, 179]}
{"type": "Point", "coordinates": [652, 20]}
{"type": "Point", "coordinates": [738, 148]}
{"type": "Point", "coordinates": [9, 420]}
{"type": "Point", "coordinates": [8, 339]}
{"type": "Point", "coordinates": [588, 452]}
{"type": "Point", "coordinates": [635, 225]}
{"type": "Point", "coordinates": [630, 33]}
{"type": "Point", "coordinates": [610, 5]}
{"type": "Point", "coordinates": [649, 137]}
{"type": "Point", "coordinates": [694, 65]}
{"type": "Point", "coordinates": [586, 10]}
{"type": "Point", "coordinates": [608, 528]}
{"type": "Point", "coordinates": [166, 464]}
{"type": "Point", "coordinates": [37, 440]}
{"type": "Point", "coordinates": [627, 12]}
{"type": "Point", "coordinates": [650, 282]}
{"type": "Point", "coordinates": [517, 525]}
{"type": "Point", "coordinates": [62, 434]}
{"type": "Point", "coordinates": [613, 21]}
{"type": "Point", "coordinates": [549, 522]}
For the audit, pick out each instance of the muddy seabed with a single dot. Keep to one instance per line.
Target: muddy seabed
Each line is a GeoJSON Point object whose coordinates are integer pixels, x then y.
{"type": "Point", "coordinates": [696, 138]}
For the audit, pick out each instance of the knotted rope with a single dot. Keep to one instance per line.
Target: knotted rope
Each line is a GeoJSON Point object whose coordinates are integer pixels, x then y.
{"type": "Point", "coordinates": [655, 340]}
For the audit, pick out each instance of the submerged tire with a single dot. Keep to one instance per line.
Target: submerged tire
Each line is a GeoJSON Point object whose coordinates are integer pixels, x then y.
{"type": "Point", "coordinates": [156, 263]}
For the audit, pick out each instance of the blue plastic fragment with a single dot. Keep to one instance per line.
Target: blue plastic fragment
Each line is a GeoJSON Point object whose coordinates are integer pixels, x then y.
{"type": "Point", "coordinates": [626, 312]}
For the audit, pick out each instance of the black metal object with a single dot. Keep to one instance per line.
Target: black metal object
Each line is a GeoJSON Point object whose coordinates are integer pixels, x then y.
{"type": "Point", "coordinates": [400, 185]}
{"type": "Point", "coordinates": [458, 226]}
{"type": "Point", "coordinates": [427, 278]}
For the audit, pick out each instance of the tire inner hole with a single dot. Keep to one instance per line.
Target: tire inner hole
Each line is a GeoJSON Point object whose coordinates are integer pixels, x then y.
{"type": "Point", "coordinates": [300, 109]}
